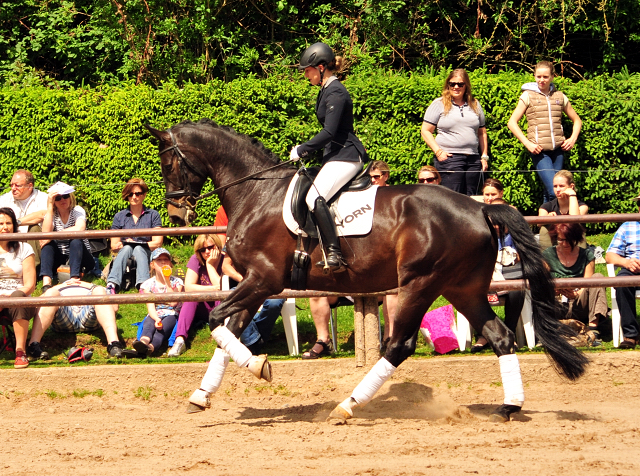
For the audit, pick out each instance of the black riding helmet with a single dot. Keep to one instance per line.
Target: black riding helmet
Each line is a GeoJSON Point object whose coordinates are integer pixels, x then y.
{"type": "Point", "coordinates": [316, 54]}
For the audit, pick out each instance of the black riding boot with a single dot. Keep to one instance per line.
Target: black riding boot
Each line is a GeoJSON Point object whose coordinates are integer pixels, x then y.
{"type": "Point", "coordinates": [329, 234]}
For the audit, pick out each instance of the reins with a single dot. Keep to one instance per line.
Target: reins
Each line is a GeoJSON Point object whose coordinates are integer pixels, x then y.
{"type": "Point", "coordinates": [186, 190]}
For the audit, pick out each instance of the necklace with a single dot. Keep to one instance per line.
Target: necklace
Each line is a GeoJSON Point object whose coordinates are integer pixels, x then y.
{"type": "Point", "coordinates": [567, 260]}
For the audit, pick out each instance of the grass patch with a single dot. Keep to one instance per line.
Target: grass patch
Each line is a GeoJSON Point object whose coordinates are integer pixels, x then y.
{"type": "Point", "coordinates": [81, 393]}
{"type": "Point", "coordinates": [53, 395]}
{"type": "Point", "coordinates": [144, 393]}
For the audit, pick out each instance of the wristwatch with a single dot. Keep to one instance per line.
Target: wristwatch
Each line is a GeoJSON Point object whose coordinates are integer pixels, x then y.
{"type": "Point", "coordinates": [485, 157]}
{"type": "Point", "coordinates": [19, 222]}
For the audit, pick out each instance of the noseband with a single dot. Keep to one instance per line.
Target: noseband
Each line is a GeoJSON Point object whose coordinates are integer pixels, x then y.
{"type": "Point", "coordinates": [192, 197]}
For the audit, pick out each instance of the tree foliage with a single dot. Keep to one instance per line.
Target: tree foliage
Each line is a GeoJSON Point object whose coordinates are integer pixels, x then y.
{"type": "Point", "coordinates": [77, 42]}
{"type": "Point", "coordinates": [94, 137]}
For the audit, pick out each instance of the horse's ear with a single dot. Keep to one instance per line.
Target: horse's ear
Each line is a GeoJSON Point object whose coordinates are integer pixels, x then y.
{"type": "Point", "coordinates": [161, 135]}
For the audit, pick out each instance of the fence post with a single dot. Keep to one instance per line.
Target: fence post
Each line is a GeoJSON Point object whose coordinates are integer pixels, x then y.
{"type": "Point", "coordinates": [358, 331]}
{"type": "Point", "coordinates": [371, 330]}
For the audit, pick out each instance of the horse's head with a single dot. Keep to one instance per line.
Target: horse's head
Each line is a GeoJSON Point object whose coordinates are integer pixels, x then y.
{"type": "Point", "coordinates": [182, 178]}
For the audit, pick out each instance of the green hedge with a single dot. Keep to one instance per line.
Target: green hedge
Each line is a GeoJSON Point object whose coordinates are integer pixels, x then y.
{"type": "Point", "coordinates": [94, 138]}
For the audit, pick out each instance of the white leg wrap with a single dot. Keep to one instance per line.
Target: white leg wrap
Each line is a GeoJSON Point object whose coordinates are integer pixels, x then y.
{"type": "Point", "coordinates": [511, 380]}
{"type": "Point", "coordinates": [230, 343]}
{"type": "Point", "coordinates": [371, 383]}
{"type": "Point", "coordinates": [213, 377]}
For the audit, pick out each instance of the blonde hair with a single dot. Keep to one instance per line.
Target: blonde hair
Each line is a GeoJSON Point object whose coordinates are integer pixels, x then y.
{"type": "Point", "coordinates": [468, 96]}
{"type": "Point", "coordinates": [544, 64]}
{"type": "Point", "coordinates": [200, 243]}
{"type": "Point", "coordinates": [431, 169]}
{"type": "Point", "coordinates": [72, 202]}
{"type": "Point", "coordinates": [568, 176]}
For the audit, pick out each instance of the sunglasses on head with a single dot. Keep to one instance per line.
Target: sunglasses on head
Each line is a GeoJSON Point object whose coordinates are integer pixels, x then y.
{"type": "Point", "coordinates": [136, 194]}
{"type": "Point", "coordinates": [427, 180]}
{"type": "Point", "coordinates": [453, 84]}
{"type": "Point", "coordinates": [60, 197]}
{"type": "Point", "coordinates": [207, 248]}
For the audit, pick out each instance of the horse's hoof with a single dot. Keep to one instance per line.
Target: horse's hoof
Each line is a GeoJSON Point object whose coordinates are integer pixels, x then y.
{"type": "Point", "coordinates": [260, 367]}
{"type": "Point", "coordinates": [502, 414]}
{"type": "Point", "coordinates": [339, 416]}
{"type": "Point", "coordinates": [193, 408]}
{"type": "Point", "coordinates": [198, 401]}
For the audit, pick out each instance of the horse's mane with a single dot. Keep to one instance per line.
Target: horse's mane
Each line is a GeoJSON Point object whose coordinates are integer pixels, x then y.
{"type": "Point", "coordinates": [250, 141]}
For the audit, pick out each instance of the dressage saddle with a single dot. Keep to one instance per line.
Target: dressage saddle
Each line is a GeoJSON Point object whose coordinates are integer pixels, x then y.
{"type": "Point", "coordinates": [299, 208]}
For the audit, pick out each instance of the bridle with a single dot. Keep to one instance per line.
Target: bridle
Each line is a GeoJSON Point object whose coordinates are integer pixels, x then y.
{"type": "Point", "coordinates": [192, 197]}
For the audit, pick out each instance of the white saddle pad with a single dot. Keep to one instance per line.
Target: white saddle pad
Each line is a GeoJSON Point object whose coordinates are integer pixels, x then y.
{"type": "Point", "coordinates": [353, 210]}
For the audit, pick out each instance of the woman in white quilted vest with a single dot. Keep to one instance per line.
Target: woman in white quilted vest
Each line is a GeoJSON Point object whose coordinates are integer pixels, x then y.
{"type": "Point", "coordinates": [544, 104]}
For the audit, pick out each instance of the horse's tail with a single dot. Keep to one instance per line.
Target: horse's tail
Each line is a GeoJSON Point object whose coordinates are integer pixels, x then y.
{"type": "Point", "coordinates": [567, 360]}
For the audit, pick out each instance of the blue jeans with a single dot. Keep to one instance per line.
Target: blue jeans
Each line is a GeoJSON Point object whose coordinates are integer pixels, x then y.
{"type": "Point", "coordinates": [142, 255]}
{"type": "Point", "coordinates": [262, 323]}
{"type": "Point", "coordinates": [79, 257]}
{"type": "Point", "coordinates": [461, 173]}
{"type": "Point", "coordinates": [547, 163]}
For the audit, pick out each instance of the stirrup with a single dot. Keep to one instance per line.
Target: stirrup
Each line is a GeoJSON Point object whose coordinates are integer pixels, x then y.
{"type": "Point", "coordinates": [333, 262]}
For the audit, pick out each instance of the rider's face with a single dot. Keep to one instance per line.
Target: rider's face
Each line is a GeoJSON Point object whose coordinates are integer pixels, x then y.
{"type": "Point", "coordinates": [312, 73]}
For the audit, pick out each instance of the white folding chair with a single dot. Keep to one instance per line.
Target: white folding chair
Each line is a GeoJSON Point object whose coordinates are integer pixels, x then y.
{"type": "Point", "coordinates": [615, 312]}
{"type": "Point", "coordinates": [524, 329]}
{"type": "Point", "coordinates": [289, 319]}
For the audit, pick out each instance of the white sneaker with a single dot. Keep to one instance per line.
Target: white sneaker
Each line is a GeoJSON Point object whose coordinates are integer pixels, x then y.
{"type": "Point", "coordinates": [178, 349]}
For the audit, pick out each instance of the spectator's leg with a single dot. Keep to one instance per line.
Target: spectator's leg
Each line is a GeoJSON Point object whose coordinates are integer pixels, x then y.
{"type": "Point", "coordinates": [389, 305]}
{"type": "Point", "coordinates": [119, 264]}
{"type": "Point", "coordinates": [597, 303]}
{"type": "Point", "coordinates": [76, 254]}
{"type": "Point", "coordinates": [321, 313]}
{"type": "Point", "coordinates": [106, 315]}
{"type": "Point", "coordinates": [626, 299]}
{"type": "Point", "coordinates": [544, 166]}
{"type": "Point", "coordinates": [267, 317]}
{"type": "Point", "coordinates": [88, 263]}
{"type": "Point", "coordinates": [557, 157]}
{"type": "Point", "coordinates": [20, 316]}
{"type": "Point", "coordinates": [142, 254]}
{"type": "Point", "coordinates": [187, 315]}
{"type": "Point", "coordinates": [162, 335]}
{"type": "Point", "coordinates": [48, 262]}
{"type": "Point", "coordinates": [472, 175]}
{"type": "Point", "coordinates": [35, 244]}
{"type": "Point", "coordinates": [148, 330]}
{"type": "Point", "coordinates": [451, 172]}
{"type": "Point", "coordinates": [251, 336]}
{"type": "Point", "coordinates": [44, 318]}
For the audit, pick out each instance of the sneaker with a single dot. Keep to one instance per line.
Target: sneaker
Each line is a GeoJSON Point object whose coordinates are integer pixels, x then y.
{"type": "Point", "coordinates": [111, 288]}
{"type": "Point", "coordinates": [21, 360]}
{"type": "Point", "coordinates": [35, 352]}
{"type": "Point", "coordinates": [493, 298]}
{"type": "Point", "coordinates": [178, 349]}
{"type": "Point", "coordinates": [115, 349]}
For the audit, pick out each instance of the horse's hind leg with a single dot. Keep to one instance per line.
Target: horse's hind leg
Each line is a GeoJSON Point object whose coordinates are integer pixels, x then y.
{"type": "Point", "coordinates": [199, 400]}
{"type": "Point", "coordinates": [411, 308]}
{"type": "Point", "coordinates": [501, 339]}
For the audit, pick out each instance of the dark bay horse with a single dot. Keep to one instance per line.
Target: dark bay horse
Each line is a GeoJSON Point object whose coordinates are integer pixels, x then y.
{"type": "Point", "coordinates": [426, 240]}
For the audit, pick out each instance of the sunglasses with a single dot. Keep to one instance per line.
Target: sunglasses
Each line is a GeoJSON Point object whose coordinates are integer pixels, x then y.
{"type": "Point", "coordinates": [453, 84]}
{"type": "Point", "coordinates": [61, 197]}
{"type": "Point", "coordinates": [206, 248]}
{"type": "Point", "coordinates": [135, 194]}
{"type": "Point", "coordinates": [427, 180]}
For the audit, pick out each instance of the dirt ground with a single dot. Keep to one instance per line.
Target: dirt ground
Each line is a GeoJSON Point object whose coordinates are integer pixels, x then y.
{"type": "Point", "coordinates": [430, 419]}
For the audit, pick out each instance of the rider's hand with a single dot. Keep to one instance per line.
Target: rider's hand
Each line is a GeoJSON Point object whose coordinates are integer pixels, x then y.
{"type": "Point", "coordinates": [294, 153]}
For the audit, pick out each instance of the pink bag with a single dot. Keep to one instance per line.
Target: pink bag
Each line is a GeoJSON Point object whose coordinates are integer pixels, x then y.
{"type": "Point", "coordinates": [438, 322]}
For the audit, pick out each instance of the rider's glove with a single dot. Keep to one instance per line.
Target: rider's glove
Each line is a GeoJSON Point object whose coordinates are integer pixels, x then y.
{"type": "Point", "coordinates": [294, 153]}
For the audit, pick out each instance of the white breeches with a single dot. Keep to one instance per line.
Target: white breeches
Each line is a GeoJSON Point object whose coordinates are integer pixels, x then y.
{"type": "Point", "coordinates": [331, 178]}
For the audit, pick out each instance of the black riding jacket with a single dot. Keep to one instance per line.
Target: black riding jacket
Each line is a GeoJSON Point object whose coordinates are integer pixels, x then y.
{"type": "Point", "coordinates": [334, 110]}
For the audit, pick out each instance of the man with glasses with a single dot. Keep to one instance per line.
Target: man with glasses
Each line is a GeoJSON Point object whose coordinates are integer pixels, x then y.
{"type": "Point", "coordinates": [29, 205]}
{"type": "Point", "coordinates": [135, 216]}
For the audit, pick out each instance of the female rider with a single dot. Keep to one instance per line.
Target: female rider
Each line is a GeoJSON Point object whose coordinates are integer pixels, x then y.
{"type": "Point", "coordinates": [343, 152]}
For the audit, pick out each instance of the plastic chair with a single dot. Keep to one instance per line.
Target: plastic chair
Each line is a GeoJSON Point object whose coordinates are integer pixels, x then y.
{"type": "Point", "coordinates": [289, 319]}
{"type": "Point", "coordinates": [615, 312]}
{"type": "Point", "coordinates": [524, 328]}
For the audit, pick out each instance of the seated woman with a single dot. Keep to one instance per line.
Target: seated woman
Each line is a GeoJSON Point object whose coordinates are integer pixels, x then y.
{"type": "Point", "coordinates": [17, 279]}
{"type": "Point", "coordinates": [64, 214]}
{"type": "Point", "coordinates": [568, 260]}
{"type": "Point", "coordinates": [204, 272]}
{"type": "Point", "coordinates": [565, 203]}
{"type": "Point", "coordinates": [429, 175]}
{"type": "Point", "coordinates": [136, 215]}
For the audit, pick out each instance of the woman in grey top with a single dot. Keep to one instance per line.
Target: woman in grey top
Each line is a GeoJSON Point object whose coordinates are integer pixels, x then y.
{"type": "Point", "coordinates": [461, 132]}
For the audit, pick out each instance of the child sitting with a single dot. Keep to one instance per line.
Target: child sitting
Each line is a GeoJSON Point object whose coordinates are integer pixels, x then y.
{"type": "Point", "coordinates": [158, 325]}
